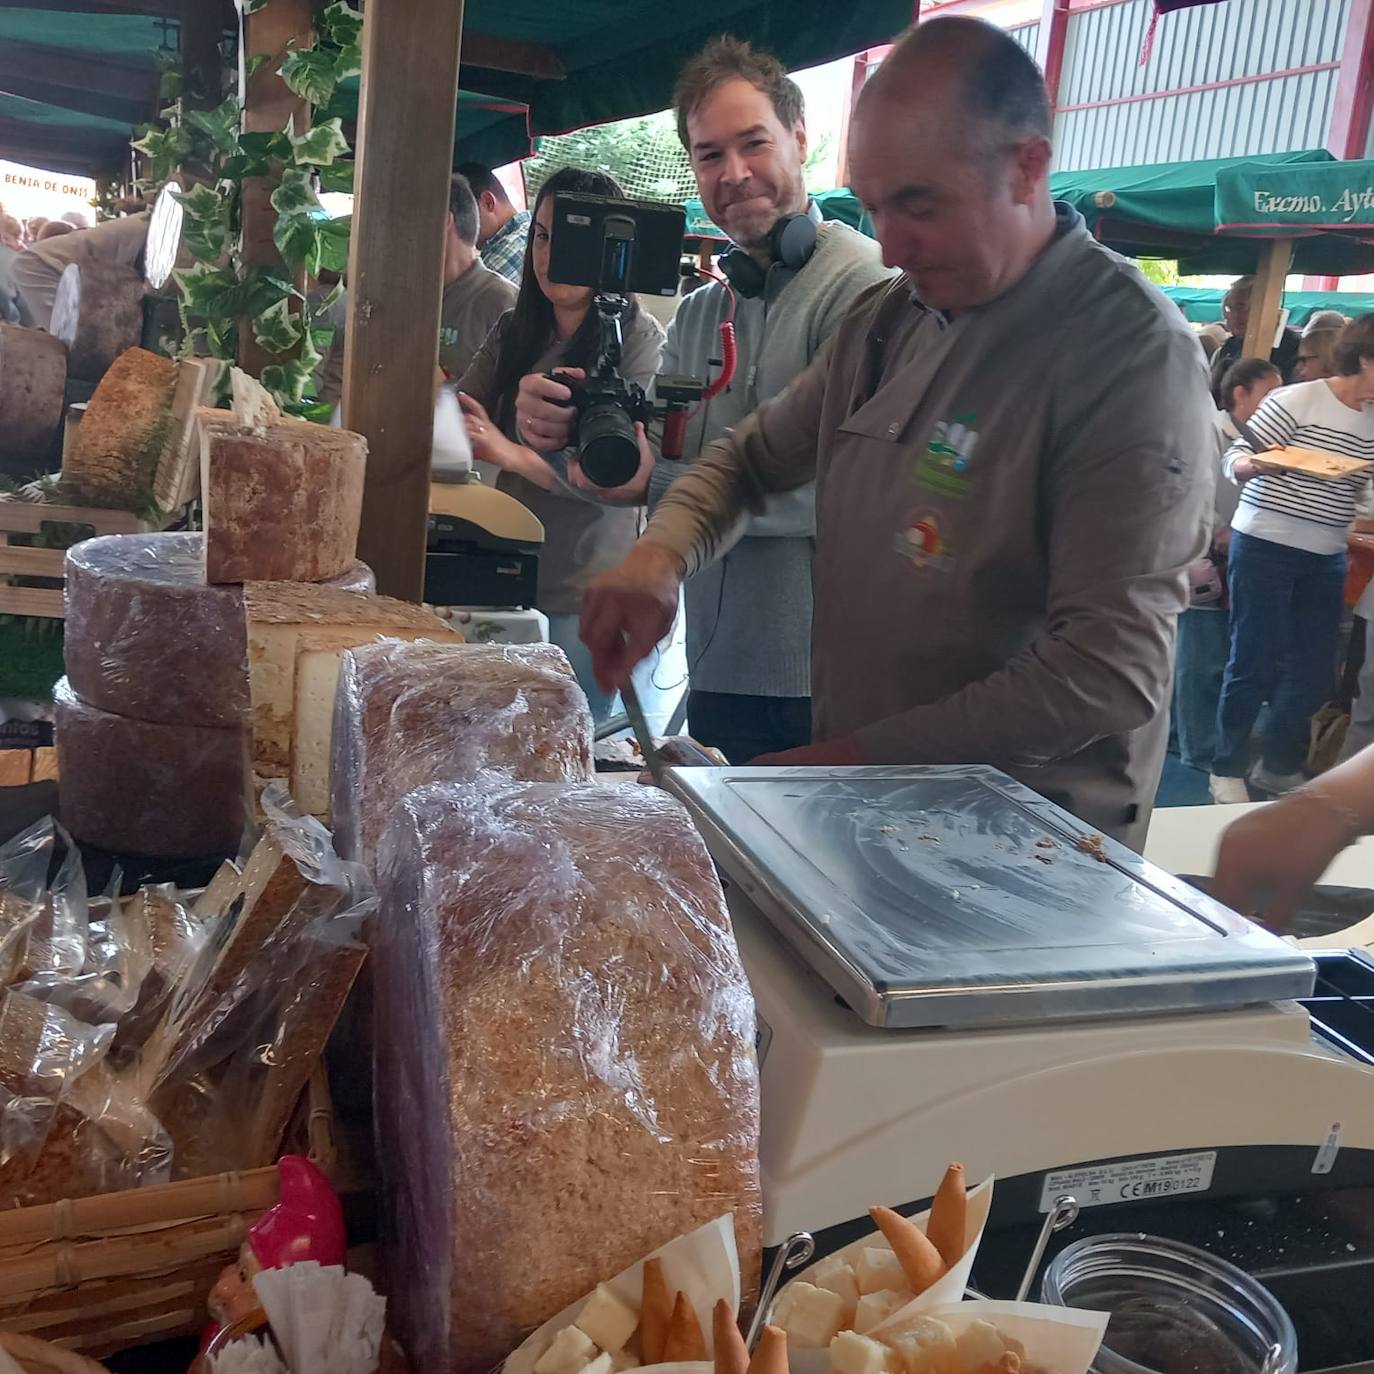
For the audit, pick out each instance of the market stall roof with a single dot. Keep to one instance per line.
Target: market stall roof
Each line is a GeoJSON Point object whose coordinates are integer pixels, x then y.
{"type": "Point", "coordinates": [86, 70]}
{"type": "Point", "coordinates": [1202, 304]}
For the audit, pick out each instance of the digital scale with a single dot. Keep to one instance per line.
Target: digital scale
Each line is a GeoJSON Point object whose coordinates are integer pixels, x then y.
{"type": "Point", "coordinates": [948, 967]}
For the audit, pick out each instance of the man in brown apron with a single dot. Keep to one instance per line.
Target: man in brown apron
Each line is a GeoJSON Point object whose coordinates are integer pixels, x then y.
{"type": "Point", "coordinates": [1011, 448]}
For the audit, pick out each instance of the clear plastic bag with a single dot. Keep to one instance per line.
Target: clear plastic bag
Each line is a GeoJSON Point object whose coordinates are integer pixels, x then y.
{"type": "Point", "coordinates": [407, 714]}
{"type": "Point", "coordinates": [42, 923]}
{"type": "Point", "coordinates": [565, 1075]}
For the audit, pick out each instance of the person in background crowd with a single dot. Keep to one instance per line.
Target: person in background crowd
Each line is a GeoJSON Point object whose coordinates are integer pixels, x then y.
{"type": "Point", "coordinates": [1325, 319]}
{"type": "Point", "coordinates": [33, 227]}
{"type": "Point", "coordinates": [1235, 314]}
{"type": "Point", "coordinates": [748, 615]}
{"type": "Point", "coordinates": [1211, 337]}
{"type": "Point", "coordinates": [13, 310]}
{"type": "Point", "coordinates": [501, 228]}
{"type": "Point", "coordinates": [1005, 506]}
{"type": "Point", "coordinates": [1203, 631]}
{"type": "Point", "coordinates": [474, 297]}
{"type": "Point", "coordinates": [77, 219]}
{"type": "Point", "coordinates": [1270, 858]}
{"type": "Point", "coordinates": [1316, 353]}
{"type": "Point", "coordinates": [553, 325]}
{"type": "Point", "coordinates": [54, 229]}
{"type": "Point", "coordinates": [38, 270]}
{"type": "Point", "coordinates": [1287, 569]}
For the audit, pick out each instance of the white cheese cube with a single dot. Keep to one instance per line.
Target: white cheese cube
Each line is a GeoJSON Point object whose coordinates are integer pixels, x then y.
{"type": "Point", "coordinates": [878, 1269]}
{"type": "Point", "coordinates": [851, 1353]}
{"type": "Point", "coordinates": [570, 1351]}
{"type": "Point", "coordinates": [837, 1275]}
{"type": "Point", "coordinates": [603, 1364]}
{"type": "Point", "coordinates": [926, 1347]}
{"type": "Point", "coordinates": [811, 1316]}
{"type": "Point", "coordinates": [878, 1307]}
{"type": "Point", "coordinates": [981, 1343]}
{"type": "Point", "coordinates": [608, 1320]}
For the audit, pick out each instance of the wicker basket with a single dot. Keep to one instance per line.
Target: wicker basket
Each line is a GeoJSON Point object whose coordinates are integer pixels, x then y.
{"type": "Point", "coordinates": [101, 1274]}
{"type": "Point", "coordinates": [38, 1357]}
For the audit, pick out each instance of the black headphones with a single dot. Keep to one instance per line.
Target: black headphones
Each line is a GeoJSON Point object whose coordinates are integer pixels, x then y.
{"type": "Point", "coordinates": [791, 242]}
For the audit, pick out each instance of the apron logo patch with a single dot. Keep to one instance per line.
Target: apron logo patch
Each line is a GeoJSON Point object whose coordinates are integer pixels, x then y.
{"type": "Point", "coordinates": [923, 544]}
{"type": "Point", "coordinates": [944, 466]}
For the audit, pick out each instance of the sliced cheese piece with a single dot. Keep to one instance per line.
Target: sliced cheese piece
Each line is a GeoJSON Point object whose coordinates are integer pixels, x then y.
{"type": "Point", "coordinates": [811, 1316]}
{"type": "Point", "coordinates": [879, 1269]}
{"type": "Point", "coordinates": [279, 615]}
{"type": "Point", "coordinates": [607, 1320]}
{"type": "Point", "coordinates": [318, 659]}
{"type": "Point", "coordinates": [851, 1353]}
{"type": "Point", "coordinates": [875, 1308]}
{"type": "Point", "coordinates": [282, 501]}
{"type": "Point", "coordinates": [570, 1351]}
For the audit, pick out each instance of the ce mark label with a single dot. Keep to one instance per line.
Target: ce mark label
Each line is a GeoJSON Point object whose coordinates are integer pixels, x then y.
{"type": "Point", "coordinates": [1131, 1180]}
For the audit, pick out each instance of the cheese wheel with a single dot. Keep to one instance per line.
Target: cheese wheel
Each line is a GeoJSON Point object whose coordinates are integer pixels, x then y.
{"type": "Point", "coordinates": [146, 637]}
{"type": "Point", "coordinates": [33, 376]}
{"type": "Point", "coordinates": [159, 791]}
{"type": "Point", "coordinates": [97, 311]}
{"type": "Point", "coordinates": [282, 502]}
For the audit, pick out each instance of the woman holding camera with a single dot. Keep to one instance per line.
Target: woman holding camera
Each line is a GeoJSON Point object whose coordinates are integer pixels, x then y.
{"type": "Point", "coordinates": [553, 326]}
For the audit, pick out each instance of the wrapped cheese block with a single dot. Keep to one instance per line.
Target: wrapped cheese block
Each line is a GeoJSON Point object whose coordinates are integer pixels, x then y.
{"type": "Point", "coordinates": [113, 457]}
{"type": "Point", "coordinates": [158, 790]}
{"type": "Point", "coordinates": [33, 377]}
{"type": "Point", "coordinates": [567, 1077]}
{"type": "Point", "coordinates": [408, 714]}
{"type": "Point", "coordinates": [147, 637]}
{"type": "Point", "coordinates": [281, 616]}
{"type": "Point", "coordinates": [282, 502]}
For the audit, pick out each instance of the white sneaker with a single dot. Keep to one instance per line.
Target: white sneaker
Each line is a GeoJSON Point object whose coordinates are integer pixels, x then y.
{"type": "Point", "coordinates": [1276, 784]}
{"type": "Point", "coordinates": [1227, 791]}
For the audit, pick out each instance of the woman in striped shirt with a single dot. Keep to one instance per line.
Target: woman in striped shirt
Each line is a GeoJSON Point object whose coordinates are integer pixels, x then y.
{"type": "Point", "coordinates": [1287, 569]}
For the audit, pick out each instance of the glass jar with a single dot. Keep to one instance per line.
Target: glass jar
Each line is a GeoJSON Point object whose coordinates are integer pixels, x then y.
{"type": "Point", "coordinates": [1175, 1309]}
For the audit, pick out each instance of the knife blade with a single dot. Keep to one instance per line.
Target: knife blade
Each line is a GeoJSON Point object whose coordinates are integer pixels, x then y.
{"type": "Point", "coordinates": [653, 760]}
{"type": "Point", "coordinates": [1256, 443]}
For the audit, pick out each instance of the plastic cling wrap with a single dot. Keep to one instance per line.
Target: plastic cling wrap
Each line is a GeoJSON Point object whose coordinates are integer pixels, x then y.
{"type": "Point", "coordinates": [567, 1077]}
{"type": "Point", "coordinates": [147, 637]}
{"type": "Point", "coordinates": [411, 714]}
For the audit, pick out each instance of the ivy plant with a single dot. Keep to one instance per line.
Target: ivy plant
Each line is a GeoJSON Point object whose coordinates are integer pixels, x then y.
{"type": "Point", "coordinates": [213, 154]}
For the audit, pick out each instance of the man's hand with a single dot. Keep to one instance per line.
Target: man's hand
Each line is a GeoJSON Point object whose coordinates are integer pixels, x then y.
{"type": "Point", "coordinates": [628, 609]}
{"type": "Point", "coordinates": [544, 416]}
{"type": "Point", "coordinates": [635, 492]}
{"type": "Point", "coordinates": [838, 753]}
{"type": "Point", "coordinates": [1244, 469]}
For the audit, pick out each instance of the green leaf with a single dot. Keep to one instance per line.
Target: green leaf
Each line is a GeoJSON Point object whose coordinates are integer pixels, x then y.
{"type": "Point", "coordinates": [340, 25]}
{"type": "Point", "coordinates": [311, 74]}
{"type": "Point", "coordinates": [310, 356]}
{"type": "Point", "coordinates": [256, 155]}
{"type": "Point", "coordinates": [333, 244]}
{"type": "Point", "coordinates": [253, 6]}
{"type": "Point", "coordinates": [337, 177]}
{"type": "Point", "coordinates": [296, 194]}
{"type": "Point", "coordinates": [287, 381]}
{"type": "Point", "coordinates": [321, 144]}
{"type": "Point", "coordinates": [218, 127]}
{"type": "Point", "coordinates": [205, 226]}
{"type": "Point", "coordinates": [319, 412]}
{"type": "Point", "coordinates": [277, 329]}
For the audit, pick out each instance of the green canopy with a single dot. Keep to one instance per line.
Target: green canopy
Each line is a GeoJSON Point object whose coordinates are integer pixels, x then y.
{"type": "Point", "coordinates": [1202, 304]}
{"type": "Point", "coordinates": [1254, 198]}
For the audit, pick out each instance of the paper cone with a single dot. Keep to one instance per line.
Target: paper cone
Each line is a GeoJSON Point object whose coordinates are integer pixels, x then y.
{"type": "Point", "coordinates": [946, 1291]}
{"type": "Point", "coordinates": [704, 1264]}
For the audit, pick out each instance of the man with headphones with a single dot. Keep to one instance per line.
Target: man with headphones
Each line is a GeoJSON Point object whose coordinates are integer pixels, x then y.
{"type": "Point", "coordinates": [792, 278]}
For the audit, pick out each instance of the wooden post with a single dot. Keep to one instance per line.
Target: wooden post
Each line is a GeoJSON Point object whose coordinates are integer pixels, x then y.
{"type": "Point", "coordinates": [268, 106]}
{"type": "Point", "coordinates": [395, 272]}
{"type": "Point", "coordinates": [1266, 300]}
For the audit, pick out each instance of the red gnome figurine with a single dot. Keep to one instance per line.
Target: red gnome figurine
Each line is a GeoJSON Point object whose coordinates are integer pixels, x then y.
{"type": "Point", "coordinates": [306, 1224]}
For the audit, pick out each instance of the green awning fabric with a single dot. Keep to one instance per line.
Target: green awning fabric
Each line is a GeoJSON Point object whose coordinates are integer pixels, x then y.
{"type": "Point", "coordinates": [1202, 304]}
{"type": "Point", "coordinates": [1257, 199]}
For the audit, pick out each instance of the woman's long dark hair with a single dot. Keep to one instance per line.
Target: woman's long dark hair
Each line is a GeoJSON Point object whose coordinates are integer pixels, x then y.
{"type": "Point", "coordinates": [530, 329]}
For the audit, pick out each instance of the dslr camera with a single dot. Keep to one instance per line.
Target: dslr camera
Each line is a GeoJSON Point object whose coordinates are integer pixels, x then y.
{"type": "Point", "coordinates": [617, 247]}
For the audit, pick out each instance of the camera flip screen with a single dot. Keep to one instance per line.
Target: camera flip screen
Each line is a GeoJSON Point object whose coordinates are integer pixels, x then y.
{"type": "Point", "coordinates": [619, 246]}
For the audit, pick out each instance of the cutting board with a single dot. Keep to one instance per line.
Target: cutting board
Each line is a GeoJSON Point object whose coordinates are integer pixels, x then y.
{"type": "Point", "coordinates": [1312, 462]}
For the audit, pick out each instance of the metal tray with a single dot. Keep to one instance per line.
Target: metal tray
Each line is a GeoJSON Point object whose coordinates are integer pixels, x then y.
{"type": "Point", "coordinates": [955, 896]}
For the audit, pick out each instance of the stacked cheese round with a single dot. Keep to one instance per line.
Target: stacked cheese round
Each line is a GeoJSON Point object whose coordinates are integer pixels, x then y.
{"type": "Point", "coordinates": [151, 717]}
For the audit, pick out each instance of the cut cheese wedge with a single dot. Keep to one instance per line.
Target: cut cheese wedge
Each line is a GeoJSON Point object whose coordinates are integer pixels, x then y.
{"type": "Point", "coordinates": [280, 615]}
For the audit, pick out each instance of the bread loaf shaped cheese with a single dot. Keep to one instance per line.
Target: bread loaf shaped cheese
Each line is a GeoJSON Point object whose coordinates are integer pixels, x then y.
{"type": "Point", "coordinates": [157, 790]}
{"type": "Point", "coordinates": [566, 1077]}
{"type": "Point", "coordinates": [408, 714]}
{"type": "Point", "coordinates": [113, 458]}
{"type": "Point", "coordinates": [280, 616]}
{"type": "Point", "coordinates": [33, 378]}
{"type": "Point", "coordinates": [147, 637]}
{"type": "Point", "coordinates": [282, 501]}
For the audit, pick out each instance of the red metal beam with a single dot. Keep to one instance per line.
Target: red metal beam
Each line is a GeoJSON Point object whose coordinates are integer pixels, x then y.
{"type": "Point", "coordinates": [1354, 100]}
{"type": "Point", "coordinates": [1049, 43]}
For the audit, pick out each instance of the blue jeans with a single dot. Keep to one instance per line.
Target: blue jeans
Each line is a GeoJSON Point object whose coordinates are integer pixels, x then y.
{"type": "Point", "coordinates": [1203, 644]}
{"type": "Point", "coordinates": [1285, 629]}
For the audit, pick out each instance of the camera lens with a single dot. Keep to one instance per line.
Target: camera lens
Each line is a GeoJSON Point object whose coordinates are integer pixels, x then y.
{"type": "Point", "coordinates": [607, 446]}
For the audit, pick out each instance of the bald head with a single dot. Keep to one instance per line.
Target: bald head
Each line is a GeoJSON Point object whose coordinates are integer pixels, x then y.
{"type": "Point", "coordinates": [971, 70]}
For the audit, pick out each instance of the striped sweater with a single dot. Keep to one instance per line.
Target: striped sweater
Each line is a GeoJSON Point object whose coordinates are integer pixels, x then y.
{"type": "Point", "coordinates": [1308, 513]}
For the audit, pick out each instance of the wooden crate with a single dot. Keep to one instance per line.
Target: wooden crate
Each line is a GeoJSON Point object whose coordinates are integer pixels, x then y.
{"type": "Point", "coordinates": [101, 1274]}
{"type": "Point", "coordinates": [21, 518]}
